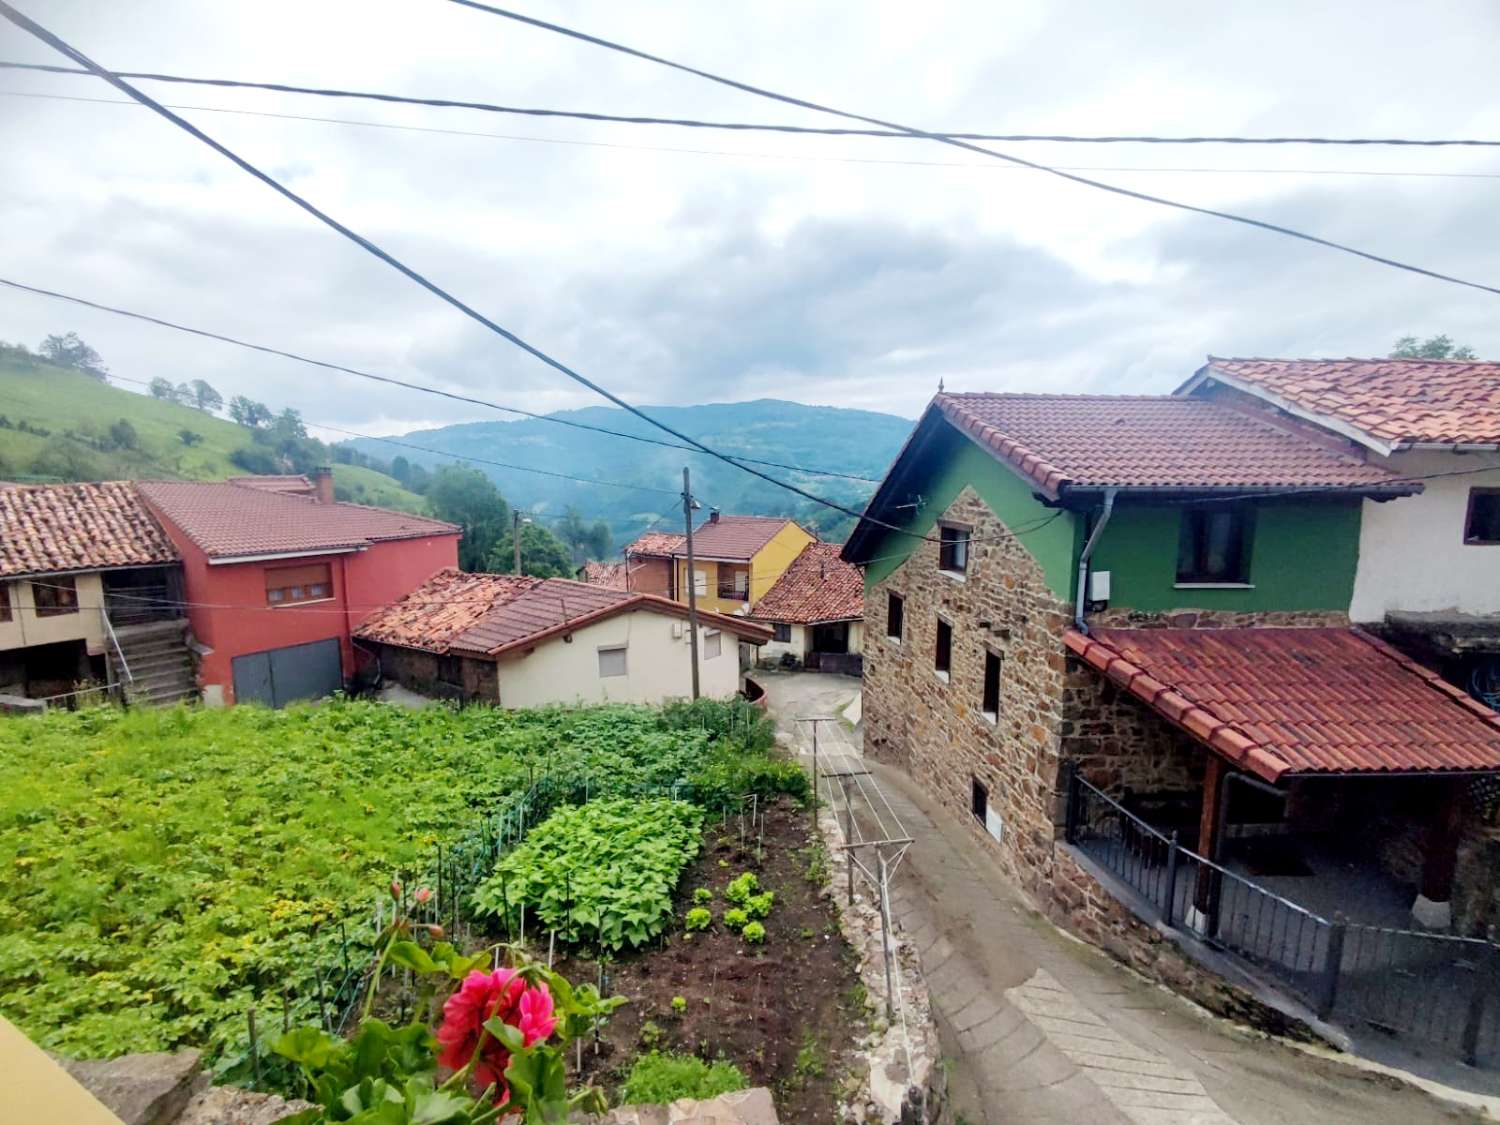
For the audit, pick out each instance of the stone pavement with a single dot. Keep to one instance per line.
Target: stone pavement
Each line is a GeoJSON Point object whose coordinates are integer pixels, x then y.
{"type": "Point", "coordinates": [1041, 1028]}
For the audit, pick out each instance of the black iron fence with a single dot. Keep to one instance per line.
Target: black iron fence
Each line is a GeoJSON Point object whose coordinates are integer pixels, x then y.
{"type": "Point", "coordinates": [1436, 991]}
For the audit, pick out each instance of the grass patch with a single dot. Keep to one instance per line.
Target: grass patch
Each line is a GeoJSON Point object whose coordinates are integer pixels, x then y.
{"type": "Point", "coordinates": [657, 1079]}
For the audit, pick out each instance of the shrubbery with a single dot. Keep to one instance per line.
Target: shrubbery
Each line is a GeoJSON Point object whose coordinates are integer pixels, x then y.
{"type": "Point", "coordinates": [657, 1079]}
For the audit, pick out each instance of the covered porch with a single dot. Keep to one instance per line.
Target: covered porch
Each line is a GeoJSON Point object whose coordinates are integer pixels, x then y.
{"type": "Point", "coordinates": [1323, 811]}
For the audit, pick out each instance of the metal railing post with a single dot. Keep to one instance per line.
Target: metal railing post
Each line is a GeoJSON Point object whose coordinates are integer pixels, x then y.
{"type": "Point", "coordinates": [1333, 962]}
{"type": "Point", "coordinates": [1169, 908]}
{"type": "Point", "coordinates": [1070, 803]}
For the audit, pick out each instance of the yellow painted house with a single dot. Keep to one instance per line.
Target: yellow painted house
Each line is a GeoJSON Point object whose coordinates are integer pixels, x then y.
{"type": "Point", "coordinates": [737, 559]}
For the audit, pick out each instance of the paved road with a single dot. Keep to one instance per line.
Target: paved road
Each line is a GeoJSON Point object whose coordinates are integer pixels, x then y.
{"type": "Point", "coordinates": [1040, 1028]}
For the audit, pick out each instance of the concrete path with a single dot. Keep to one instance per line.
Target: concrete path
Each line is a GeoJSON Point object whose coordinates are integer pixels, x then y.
{"type": "Point", "coordinates": [1040, 1028]}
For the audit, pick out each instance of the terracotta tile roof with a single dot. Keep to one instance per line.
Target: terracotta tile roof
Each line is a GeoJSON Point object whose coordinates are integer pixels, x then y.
{"type": "Point", "coordinates": [659, 543]}
{"type": "Point", "coordinates": [609, 575]}
{"type": "Point", "coordinates": [295, 483]}
{"type": "Point", "coordinates": [441, 609]}
{"type": "Point", "coordinates": [1396, 401]}
{"type": "Point", "coordinates": [49, 528]}
{"type": "Point", "coordinates": [558, 605]}
{"type": "Point", "coordinates": [818, 586]}
{"type": "Point", "coordinates": [732, 537]}
{"type": "Point", "coordinates": [1299, 701]}
{"type": "Point", "coordinates": [1153, 443]}
{"type": "Point", "coordinates": [231, 520]}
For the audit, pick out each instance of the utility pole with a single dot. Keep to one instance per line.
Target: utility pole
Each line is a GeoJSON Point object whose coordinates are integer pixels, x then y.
{"type": "Point", "coordinates": [515, 535]}
{"type": "Point", "coordinates": [692, 580]}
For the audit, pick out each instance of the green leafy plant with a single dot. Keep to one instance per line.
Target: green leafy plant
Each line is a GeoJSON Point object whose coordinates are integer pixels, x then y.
{"type": "Point", "coordinates": [754, 933]}
{"type": "Point", "coordinates": [736, 918]}
{"type": "Point", "coordinates": [679, 1004]}
{"type": "Point", "coordinates": [703, 895]}
{"type": "Point", "coordinates": [741, 887]}
{"type": "Point", "coordinates": [759, 906]}
{"type": "Point", "coordinates": [601, 873]}
{"type": "Point", "coordinates": [657, 1079]}
{"type": "Point", "coordinates": [698, 918]}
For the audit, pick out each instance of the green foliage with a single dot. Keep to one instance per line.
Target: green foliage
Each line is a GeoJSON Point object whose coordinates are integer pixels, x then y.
{"type": "Point", "coordinates": [703, 895]}
{"type": "Point", "coordinates": [736, 918]}
{"type": "Point", "coordinates": [470, 499]}
{"type": "Point", "coordinates": [543, 555]}
{"type": "Point", "coordinates": [754, 933]}
{"type": "Point", "coordinates": [759, 906]}
{"type": "Point", "coordinates": [679, 1004]}
{"type": "Point", "coordinates": [601, 873]}
{"type": "Point", "coordinates": [657, 1079]}
{"type": "Point", "coordinates": [698, 918]}
{"type": "Point", "coordinates": [741, 887]}
{"type": "Point", "coordinates": [1434, 347]}
{"type": "Point", "coordinates": [167, 869]}
{"type": "Point", "coordinates": [69, 351]}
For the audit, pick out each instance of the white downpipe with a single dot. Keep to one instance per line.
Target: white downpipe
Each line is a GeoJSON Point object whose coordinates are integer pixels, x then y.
{"type": "Point", "coordinates": [114, 640]}
{"type": "Point", "coordinates": [1083, 559]}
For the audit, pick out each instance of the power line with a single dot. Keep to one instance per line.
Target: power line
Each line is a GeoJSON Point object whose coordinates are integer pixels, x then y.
{"type": "Point", "coordinates": [783, 156]}
{"type": "Point", "coordinates": [390, 380]}
{"type": "Point", "coordinates": [31, 26]}
{"type": "Point", "coordinates": [1114, 189]}
{"type": "Point", "coordinates": [758, 127]}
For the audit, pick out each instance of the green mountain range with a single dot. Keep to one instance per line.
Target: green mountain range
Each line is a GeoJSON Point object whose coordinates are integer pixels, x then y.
{"type": "Point", "coordinates": [637, 484]}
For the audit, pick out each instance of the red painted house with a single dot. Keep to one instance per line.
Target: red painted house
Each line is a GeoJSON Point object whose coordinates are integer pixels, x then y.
{"type": "Point", "coordinates": [278, 580]}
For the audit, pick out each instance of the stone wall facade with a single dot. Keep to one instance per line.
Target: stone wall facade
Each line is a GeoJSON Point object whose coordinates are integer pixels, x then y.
{"type": "Point", "coordinates": [1119, 744]}
{"type": "Point", "coordinates": [426, 674]}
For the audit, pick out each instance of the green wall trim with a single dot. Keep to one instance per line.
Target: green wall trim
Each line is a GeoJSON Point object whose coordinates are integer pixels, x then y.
{"type": "Point", "coordinates": [943, 468]}
{"type": "Point", "coordinates": [1303, 557]}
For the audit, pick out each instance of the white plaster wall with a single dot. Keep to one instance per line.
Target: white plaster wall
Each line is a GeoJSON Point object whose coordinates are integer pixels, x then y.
{"type": "Point", "coordinates": [770, 652]}
{"type": "Point", "coordinates": [25, 628]}
{"type": "Point", "coordinates": [1412, 554]}
{"type": "Point", "coordinates": [856, 636]}
{"type": "Point", "coordinates": [658, 665]}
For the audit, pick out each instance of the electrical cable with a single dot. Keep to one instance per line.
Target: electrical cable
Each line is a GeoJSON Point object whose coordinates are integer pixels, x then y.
{"type": "Point", "coordinates": [783, 156]}
{"type": "Point", "coordinates": [1114, 189]}
{"type": "Point", "coordinates": [742, 126]}
{"type": "Point", "coordinates": [422, 387]}
{"type": "Point", "coordinates": [32, 27]}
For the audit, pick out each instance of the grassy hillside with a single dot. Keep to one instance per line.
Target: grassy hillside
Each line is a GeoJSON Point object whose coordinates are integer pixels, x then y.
{"type": "Point", "coordinates": [64, 401]}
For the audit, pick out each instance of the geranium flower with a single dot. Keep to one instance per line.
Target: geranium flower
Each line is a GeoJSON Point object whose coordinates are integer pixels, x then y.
{"type": "Point", "coordinates": [501, 993]}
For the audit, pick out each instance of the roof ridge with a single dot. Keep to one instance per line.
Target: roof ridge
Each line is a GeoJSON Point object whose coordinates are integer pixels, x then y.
{"type": "Point", "coordinates": [1350, 359]}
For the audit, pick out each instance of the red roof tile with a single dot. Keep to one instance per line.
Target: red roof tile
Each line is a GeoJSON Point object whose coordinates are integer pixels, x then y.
{"type": "Point", "coordinates": [1299, 701]}
{"type": "Point", "coordinates": [660, 543]}
{"type": "Point", "coordinates": [818, 586]}
{"type": "Point", "coordinates": [1396, 401]}
{"type": "Point", "coordinates": [442, 608]}
{"type": "Point", "coordinates": [231, 520]}
{"type": "Point", "coordinates": [50, 528]}
{"type": "Point", "coordinates": [295, 483]}
{"type": "Point", "coordinates": [1152, 443]}
{"type": "Point", "coordinates": [732, 537]}
{"type": "Point", "coordinates": [609, 575]}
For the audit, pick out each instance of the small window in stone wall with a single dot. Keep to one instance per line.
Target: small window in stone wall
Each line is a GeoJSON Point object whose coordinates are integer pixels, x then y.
{"type": "Point", "coordinates": [943, 656]}
{"type": "Point", "coordinates": [4, 601]}
{"type": "Point", "coordinates": [895, 616]}
{"type": "Point", "coordinates": [979, 805]}
{"type": "Point", "coordinates": [953, 552]}
{"type": "Point", "coordinates": [990, 703]}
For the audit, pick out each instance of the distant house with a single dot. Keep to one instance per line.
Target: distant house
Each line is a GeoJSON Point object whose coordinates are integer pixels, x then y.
{"type": "Point", "coordinates": [278, 579]}
{"type": "Point", "coordinates": [816, 611]}
{"type": "Point", "coordinates": [528, 642]}
{"type": "Point", "coordinates": [73, 557]}
{"type": "Point", "coordinates": [1429, 564]}
{"type": "Point", "coordinates": [609, 575]}
{"type": "Point", "coordinates": [737, 559]}
{"type": "Point", "coordinates": [648, 564]}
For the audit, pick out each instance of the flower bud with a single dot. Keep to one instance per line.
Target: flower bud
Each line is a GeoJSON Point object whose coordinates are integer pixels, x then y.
{"type": "Point", "coordinates": [424, 894]}
{"type": "Point", "coordinates": [435, 931]}
{"type": "Point", "coordinates": [395, 890]}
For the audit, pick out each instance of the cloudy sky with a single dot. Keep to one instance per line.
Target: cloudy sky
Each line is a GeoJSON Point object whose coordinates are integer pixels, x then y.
{"type": "Point", "coordinates": [679, 266]}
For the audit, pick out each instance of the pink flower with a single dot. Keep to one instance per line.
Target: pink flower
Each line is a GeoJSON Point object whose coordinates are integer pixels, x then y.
{"type": "Point", "coordinates": [501, 993]}
{"type": "Point", "coordinates": [423, 895]}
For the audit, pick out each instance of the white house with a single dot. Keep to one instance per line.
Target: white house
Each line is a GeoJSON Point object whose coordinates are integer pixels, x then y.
{"type": "Point", "coordinates": [530, 642]}
{"type": "Point", "coordinates": [1429, 564]}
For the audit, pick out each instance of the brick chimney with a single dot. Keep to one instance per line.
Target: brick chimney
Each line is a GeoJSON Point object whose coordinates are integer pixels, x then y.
{"type": "Point", "coordinates": [713, 515]}
{"type": "Point", "coordinates": [322, 479]}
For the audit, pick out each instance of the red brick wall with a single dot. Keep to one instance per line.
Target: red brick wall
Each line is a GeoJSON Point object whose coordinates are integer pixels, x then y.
{"type": "Point", "coordinates": [649, 576]}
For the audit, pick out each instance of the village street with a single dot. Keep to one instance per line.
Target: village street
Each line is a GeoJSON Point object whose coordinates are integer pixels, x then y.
{"type": "Point", "coordinates": [1040, 1028]}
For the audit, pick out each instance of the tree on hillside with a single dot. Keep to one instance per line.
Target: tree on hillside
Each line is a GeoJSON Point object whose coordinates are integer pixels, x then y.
{"type": "Point", "coordinates": [205, 398]}
{"type": "Point", "coordinates": [1434, 347]}
{"type": "Point", "coordinates": [248, 412]}
{"type": "Point", "coordinates": [584, 541]}
{"type": "Point", "coordinates": [122, 435]}
{"type": "Point", "coordinates": [470, 499]}
{"type": "Point", "coordinates": [70, 351]}
{"type": "Point", "coordinates": [16, 355]}
{"type": "Point", "coordinates": [543, 554]}
{"type": "Point", "coordinates": [163, 389]}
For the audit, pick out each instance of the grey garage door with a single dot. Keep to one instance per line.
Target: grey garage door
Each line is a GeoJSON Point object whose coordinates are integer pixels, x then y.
{"type": "Point", "coordinates": [282, 675]}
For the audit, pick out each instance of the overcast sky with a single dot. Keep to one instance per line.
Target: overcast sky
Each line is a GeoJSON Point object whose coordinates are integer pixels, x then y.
{"type": "Point", "coordinates": [852, 272]}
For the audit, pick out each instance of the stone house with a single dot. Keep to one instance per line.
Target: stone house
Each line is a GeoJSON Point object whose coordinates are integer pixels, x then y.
{"type": "Point", "coordinates": [1112, 634]}
{"type": "Point", "coordinates": [816, 612]}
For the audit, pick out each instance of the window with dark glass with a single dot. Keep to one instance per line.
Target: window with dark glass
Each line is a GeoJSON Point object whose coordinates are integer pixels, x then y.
{"type": "Point", "coordinates": [943, 658]}
{"type": "Point", "coordinates": [1214, 545]}
{"type": "Point", "coordinates": [990, 704]}
{"type": "Point", "coordinates": [4, 602]}
{"type": "Point", "coordinates": [288, 585]}
{"type": "Point", "coordinates": [55, 597]}
{"type": "Point", "coordinates": [781, 632]}
{"type": "Point", "coordinates": [1482, 524]}
{"type": "Point", "coordinates": [953, 551]}
{"type": "Point", "coordinates": [979, 799]}
{"type": "Point", "coordinates": [895, 616]}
